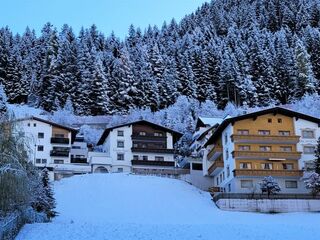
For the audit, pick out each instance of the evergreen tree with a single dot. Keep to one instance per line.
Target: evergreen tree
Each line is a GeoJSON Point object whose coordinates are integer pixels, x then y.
{"type": "Point", "coordinates": [3, 102]}
{"type": "Point", "coordinates": [270, 186]}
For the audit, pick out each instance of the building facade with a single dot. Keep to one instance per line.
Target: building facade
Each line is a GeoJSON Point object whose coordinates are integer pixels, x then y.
{"type": "Point", "coordinates": [49, 145]}
{"type": "Point", "coordinates": [141, 147]}
{"type": "Point", "coordinates": [274, 142]}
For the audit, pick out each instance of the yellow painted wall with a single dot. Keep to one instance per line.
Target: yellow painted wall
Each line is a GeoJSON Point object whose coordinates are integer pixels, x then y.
{"type": "Point", "coordinates": [261, 123]}
{"type": "Point", "coordinates": [276, 165]}
{"type": "Point", "coordinates": [274, 147]}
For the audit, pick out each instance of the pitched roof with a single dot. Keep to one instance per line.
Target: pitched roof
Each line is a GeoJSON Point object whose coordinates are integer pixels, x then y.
{"type": "Point", "coordinates": [274, 110]}
{"type": "Point", "coordinates": [73, 131]}
{"type": "Point", "coordinates": [203, 121]}
{"type": "Point", "coordinates": [107, 130]}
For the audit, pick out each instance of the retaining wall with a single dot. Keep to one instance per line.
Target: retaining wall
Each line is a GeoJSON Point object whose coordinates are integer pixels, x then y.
{"type": "Point", "coordinates": [270, 205]}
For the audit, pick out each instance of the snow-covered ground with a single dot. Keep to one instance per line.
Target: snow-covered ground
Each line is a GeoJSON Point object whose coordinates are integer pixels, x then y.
{"type": "Point", "coordinates": [123, 206]}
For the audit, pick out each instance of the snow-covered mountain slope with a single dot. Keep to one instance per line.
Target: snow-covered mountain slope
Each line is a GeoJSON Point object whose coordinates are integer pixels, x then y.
{"type": "Point", "coordinates": [121, 206]}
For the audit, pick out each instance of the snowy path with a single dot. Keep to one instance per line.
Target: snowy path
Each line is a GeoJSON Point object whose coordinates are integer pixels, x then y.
{"type": "Point", "coordinates": [120, 206]}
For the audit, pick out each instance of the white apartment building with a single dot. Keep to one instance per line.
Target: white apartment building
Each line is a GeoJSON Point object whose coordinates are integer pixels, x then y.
{"type": "Point", "coordinates": [49, 146]}
{"type": "Point", "coordinates": [140, 146]}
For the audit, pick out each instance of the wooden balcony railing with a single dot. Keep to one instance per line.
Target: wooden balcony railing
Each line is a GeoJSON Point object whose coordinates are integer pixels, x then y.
{"type": "Point", "coordinates": [266, 155]}
{"type": "Point", "coordinates": [55, 153]}
{"type": "Point", "coordinates": [150, 137]}
{"type": "Point", "coordinates": [60, 140]}
{"type": "Point", "coordinates": [214, 153]}
{"type": "Point", "coordinates": [153, 163]}
{"type": "Point", "coordinates": [153, 150]}
{"type": "Point", "coordinates": [238, 138]}
{"type": "Point", "coordinates": [265, 173]}
{"type": "Point", "coordinates": [216, 165]}
{"type": "Point", "coordinates": [78, 160]}
{"type": "Point", "coordinates": [163, 171]}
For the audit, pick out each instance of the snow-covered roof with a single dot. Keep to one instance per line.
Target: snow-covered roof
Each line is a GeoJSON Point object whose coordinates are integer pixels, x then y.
{"type": "Point", "coordinates": [208, 121]}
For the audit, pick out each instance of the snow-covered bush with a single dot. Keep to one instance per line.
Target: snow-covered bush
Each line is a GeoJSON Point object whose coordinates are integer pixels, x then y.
{"type": "Point", "coordinates": [269, 185]}
{"type": "Point", "coordinates": [313, 183]}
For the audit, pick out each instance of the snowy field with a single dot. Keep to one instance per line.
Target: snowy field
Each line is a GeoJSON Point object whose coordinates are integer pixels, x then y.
{"type": "Point", "coordinates": [121, 206]}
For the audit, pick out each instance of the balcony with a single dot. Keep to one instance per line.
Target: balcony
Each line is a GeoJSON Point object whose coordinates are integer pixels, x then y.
{"type": "Point", "coordinates": [153, 150]}
{"type": "Point", "coordinates": [149, 137]}
{"type": "Point", "coordinates": [237, 138]}
{"type": "Point", "coordinates": [153, 163]}
{"type": "Point", "coordinates": [78, 160]}
{"type": "Point", "coordinates": [214, 153]}
{"type": "Point", "coordinates": [265, 173]}
{"type": "Point", "coordinates": [56, 153]}
{"type": "Point", "coordinates": [60, 140]}
{"type": "Point", "coordinates": [163, 171]}
{"type": "Point", "coordinates": [266, 155]}
{"type": "Point", "coordinates": [215, 167]}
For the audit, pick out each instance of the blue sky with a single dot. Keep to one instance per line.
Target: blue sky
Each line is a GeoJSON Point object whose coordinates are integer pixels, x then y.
{"type": "Point", "coordinates": [108, 15]}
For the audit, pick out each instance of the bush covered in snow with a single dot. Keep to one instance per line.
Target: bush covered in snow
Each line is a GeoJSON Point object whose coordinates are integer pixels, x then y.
{"type": "Point", "coordinates": [269, 186]}
{"type": "Point", "coordinates": [313, 183]}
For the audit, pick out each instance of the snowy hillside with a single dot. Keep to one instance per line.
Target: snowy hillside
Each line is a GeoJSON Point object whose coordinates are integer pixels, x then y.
{"type": "Point", "coordinates": [121, 206]}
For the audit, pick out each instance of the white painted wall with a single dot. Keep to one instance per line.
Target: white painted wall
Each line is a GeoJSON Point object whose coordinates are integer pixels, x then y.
{"type": "Point", "coordinates": [269, 205]}
{"type": "Point", "coordinates": [31, 134]}
{"type": "Point", "coordinates": [301, 124]}
{"type": "Point", "coordinates": [228, 160]}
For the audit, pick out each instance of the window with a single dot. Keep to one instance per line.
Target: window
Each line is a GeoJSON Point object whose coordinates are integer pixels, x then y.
{"type": "Point", "coordinates": [307, 134]}
{"type": "Point", "coordinates": [120, 144]}
{"type": "Point", "coordinates": [264, 132]}
{"type": "Point", "coordinates": [144, 145]}
{"type": "Point", "coordinates": [287, 166]}
{"type": "Point", "coordinates": [120, 133]}
{"type": "Point", "coordinates": [145, 158]}
{"type": "Point", "coordinates": [120, 170]}
{"type": "Point", "coordinates": [309, 149]}
{"type": "Point", "coordinates": [196, 166]}
{"type": "Point", "coordinates": [38, 160]}
{"type": "Point", "coordinates": [291, 184]}
{"type": "Point", "coordinates": [226, 138]}
{"type": "Point", "coordinates": [228, 171]}
{"type": "Point", "coordinates": [229, 187]}
{"type": "Point", "coordinates": [284, 133]}
{"type": "Point", "coordinates": [40, 148]}
{"type": "Point", "coordinates": [40, 135]}
{"type": "Point", "coordinates": [244, 148]}
{"type": "Point", "coordinates": [285, 148]}
{"type": "Point", "coordinates": [217, 180]}
{"type": "Point", "coordinates": [44, 161]}
{"type": "Point", "coordinates": [243, 132]}
{"type": "Point", "coordinates": [227, 154]}
{"type": "Point", "coordinates": [245, 165]}
{"type": "Point", "coordinates": [158, 134]}
{"type": "Point", "coordinates": [159, 158]}
{"type": "Point", "coordinates": [279, 120]}
{"type": "Point", "coordinates": [28, 124]}
{"type": "Point", "coordinates": [76, 147]}
{"type": "Point", "coordinates": [265, 148]}
{"type": "Point", "coordinates": [309, 166]}
{"type": "Point", "coordinates": [269, 120]}
{"type": "Point", "coordinates": [223, 175]}
{"type": "Point", "coordinates": [120, 156]}
{"type": "Point", "coordinates": [34, 124]}
{"type": "Point", "coordinates": [266, 166]}
{"type": "Point", "coordinates": [142, 133]}
{"type": "Point", "coordinates": [135, 145]}
{"type": "Point", "coordinates": [220, 178]}
{"type": "Point", "coordinates": [58, 161]}
{"type": "Point", "coordinates": [135, 157]}
{"type": "Point", "coordinates": [246, 184]}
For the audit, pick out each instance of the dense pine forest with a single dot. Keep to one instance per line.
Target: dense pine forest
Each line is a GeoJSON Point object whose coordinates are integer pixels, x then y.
{"type": "Point", "coordinates": [248, 52]}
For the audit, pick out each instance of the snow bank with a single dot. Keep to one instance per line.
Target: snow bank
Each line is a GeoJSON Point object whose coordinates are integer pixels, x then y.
{"type": "Point", "coordinates": [121, 206]}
